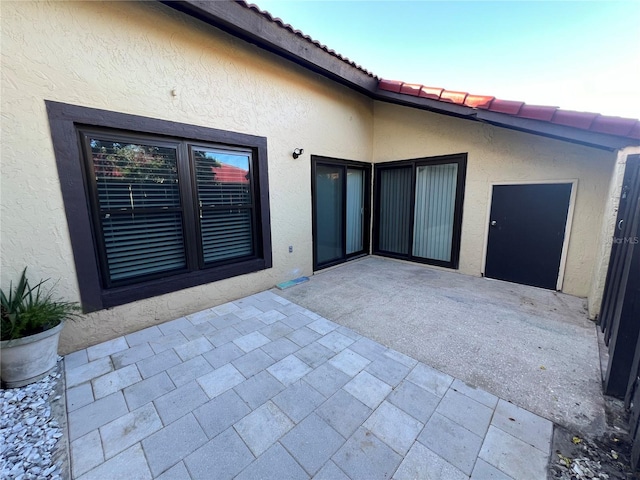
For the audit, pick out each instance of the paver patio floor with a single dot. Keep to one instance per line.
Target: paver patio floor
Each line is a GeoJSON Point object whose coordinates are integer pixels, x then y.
{"type": "Point", "coordinates": [262, 388]}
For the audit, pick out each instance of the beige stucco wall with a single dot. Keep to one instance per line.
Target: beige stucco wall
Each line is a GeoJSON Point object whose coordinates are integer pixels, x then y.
{"type": "Point", "coordinates": [500, 155]}
{"type": "Point", "coordinates": [127, 57]}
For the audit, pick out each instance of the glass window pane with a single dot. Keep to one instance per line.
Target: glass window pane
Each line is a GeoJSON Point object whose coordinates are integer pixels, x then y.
{"type": "Point", "coordinates": [328, 198]}
{"type": "Point", "coordinates": [222, 177]}
{"type": "Point", "coordinates": [434, 210]}
{"type": "Point", "coordinates": [226, 234]}
{"type": "Point", "coordinates": [395, 210]}
{"type": "Point", "coordinates": [355, 210]}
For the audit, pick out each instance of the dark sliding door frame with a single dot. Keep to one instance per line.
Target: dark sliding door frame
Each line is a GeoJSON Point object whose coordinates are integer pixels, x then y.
{"type": "Point", "coordinates": [344, 165]}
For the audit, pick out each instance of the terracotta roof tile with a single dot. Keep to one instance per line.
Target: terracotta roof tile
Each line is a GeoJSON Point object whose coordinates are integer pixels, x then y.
{"type": "Point", "coordinates": [410, 89]}
{"type": "Point", "coordinates": [478, 101]}
{"type": "Point", "coordinates": [574, 119]}
{"type": "Point", "coordinates": [431, 92]}
{"type": "Point", "coordinates": [453, 97]}
{"type": "Point", "coordinates": [506, 106]}
{"type": "Point", "coordinates": [537, 112]}
{"type": "Point", "coordinates": [613, 125]}
{"type": "Point", "coordinates": [390, 85]}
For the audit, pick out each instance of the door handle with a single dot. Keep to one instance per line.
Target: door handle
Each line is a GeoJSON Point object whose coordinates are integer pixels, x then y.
{"type": "Point", "coordinates": [620, 223]}
{"type": "Point", "coordinates": [493, 223]}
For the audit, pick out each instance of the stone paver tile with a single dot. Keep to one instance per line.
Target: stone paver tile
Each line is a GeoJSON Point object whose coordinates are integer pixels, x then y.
{"type": "Point", "coordinates": [335, 341]}
{"type": "Point", "coordinates": [218, 414]}
{"type": "Point", "coordinates": [247, 312]}
{"type": "Point", "coordinates": [421, 462]}
{"type": "Point", "coordinates": [289, 369]}
{"type": "Point", "coordinates": [464, 411]}
{"type": "Point", "coordinates": [414, 400]}
{"type": "Point", "coordinates": [369, 349]}
{"type": "Point", "coordinates": [75, 359]}
{"type": "Point", "coordinates": [249, 326]}
{"type": "Point", "coordinates": [327, 379]}
{"type": "Point", "coordinates": [298, 400]}
{"type": "Point", "coordinates": [221, 458]}
{"type": "Point", "coordinates": [394, 427]}
{"type": "Point", "coordinates": [512, 456]}
{"type": "Point", "coordinates": [314, 354]}
{"type": "Point", "coordinates": [148, 390]}
{"type": "Point", "coordinates": [276, 330]}
{"type": "Point", "coordinates": [330, 471]}
{"type": "Point", "coordinates": [251, 341]}
{"type": "Point", "coordinates": [166, 342]}
{"type": "Point", "coordinates": [226, 308]}
{"type": "Point", "coordinates": [477, 394]}
{"type": "Point", "coordinates": [130, 464]}
{"type": "Point", "coordinates": [406, 360]}
{"type": "Point", "coordinates": [158, 363]}
{"type": "Point", "coordinates": [270, 316]}
{"type": "Point", "coordinates": [116, 380]}
{"type": "Point", "coordinates": [105, 349]}
{"type": "Point", "coordinates": [220, 380]}
{"type": "Point", "coordinates": [310, 314]}
{"type": "Point", "coordinates": [222, 355]}
{"type": "Point", "coordinates": [132, 355]}
{"type": "Point", "coordinates": [189, 370]}
{"type": "Point", "coordinates": [129, 429]}
{"type": "Point", "coordinates": [430, 379]}
{"type": "Point", "coordinates": [274, 464]}
{"type": "Point", "coordinates": [96, 414]}
{"type": "Point", "coordinates": [79, 396]}
{"type": "Point", "coordinates": [177, 472]}
{"type": "Point", "coordinates": [200, 330]}
{"type": "Point", "coordinates": [365, 456]}
{"type": "Point", "coordinates": [295, 319]}
{"type": "Point", "coordinates": [273, 296]}
{"type": "Point", "coordinates": [225, 321]}
{"type": "Point", "coordinates": [349, 333]}
{"type": "Point", "coordinates": [349, 362]}
{"type": "Point", "coordinates": [388, 370]}
{"type": "Point", "coordinates": [454, 443]}
{"type": "Point", "coordinates": [224, 335]}
{"type": "Point", "coordinates": [263, 427]}
{"type": "Point", "coordinates": [291, 308]}
{"type": "Point", "coordinates": [368, 389]}
{"type": "Point", "coordinates": [258, 389]}
{"type": "Point", "coordinates": [174, 442]}
{"type": "Point", "coordinates": [485, 471]}
{"type": "Point", "coordinates": [192, 349]}
{"type": "Point", "coordinates": [179, 402]}
{"type": "Point", "coordinates": [88, 371]}
{"type": "Point", "coordinates": [143, 336]}
{"type": "Point", "coordinates": [202, 316]}
{"type": "Point", "coordinates": [280, 348]}
{"type": "Point", "coordinates": [344, 413]}
{"type": "Point", "coordinates": [86, 453]}
{"type": "Point", "coordinates": [303, 336]}
{"type": "Point", "coordinates": [312, 442]}
{"type": "Point", "coordinates": [173, 326]}
{"type": "Point", "coordinates": [524, 425]}
{"type": "Point", "coordinates": [322, 326]}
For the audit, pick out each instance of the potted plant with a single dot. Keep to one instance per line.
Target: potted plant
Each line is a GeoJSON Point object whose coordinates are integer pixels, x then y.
{"type": "Point", "coordinates": [31, 322]}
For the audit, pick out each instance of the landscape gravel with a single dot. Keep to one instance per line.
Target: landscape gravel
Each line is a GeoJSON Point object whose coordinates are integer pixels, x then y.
{"type": "Point", "coordinates": [29, 432]}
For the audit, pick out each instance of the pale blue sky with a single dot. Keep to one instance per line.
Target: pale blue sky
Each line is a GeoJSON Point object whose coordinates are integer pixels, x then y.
{"type": "Point", "coordinates": [581, 55]}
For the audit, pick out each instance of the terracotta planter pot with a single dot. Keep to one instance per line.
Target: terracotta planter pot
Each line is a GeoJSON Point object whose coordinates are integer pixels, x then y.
{"type": "Point", "coordinates": [26, 360]}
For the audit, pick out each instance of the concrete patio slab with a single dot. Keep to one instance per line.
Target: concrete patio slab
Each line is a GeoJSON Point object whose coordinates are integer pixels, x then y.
{"type": "Point", "coordinates": [249, 406]}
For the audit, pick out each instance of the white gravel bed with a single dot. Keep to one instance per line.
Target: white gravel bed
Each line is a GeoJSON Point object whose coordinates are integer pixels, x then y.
{"type": "Point", "coordinates": [28, 431]}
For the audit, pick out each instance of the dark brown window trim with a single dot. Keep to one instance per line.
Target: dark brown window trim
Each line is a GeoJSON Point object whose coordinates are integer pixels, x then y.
{"type": "Point", "coordinates": [461, 159]}
{"type": "Point", "coordinates": [64, 120]}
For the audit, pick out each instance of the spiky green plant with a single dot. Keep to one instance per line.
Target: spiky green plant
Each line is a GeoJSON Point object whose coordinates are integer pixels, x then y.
{"type": "Point", "coordinates": [26, 310]}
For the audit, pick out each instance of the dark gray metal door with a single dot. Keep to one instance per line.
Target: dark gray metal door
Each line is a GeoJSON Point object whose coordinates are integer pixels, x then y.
{"type": "Point", "coordinates": [526, 233]}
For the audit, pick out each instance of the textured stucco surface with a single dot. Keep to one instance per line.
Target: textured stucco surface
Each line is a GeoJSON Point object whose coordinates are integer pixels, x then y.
{"type": "Point", "coordinates": [497, 155]}
{"type": "Point", "coordinates": [127, 57]}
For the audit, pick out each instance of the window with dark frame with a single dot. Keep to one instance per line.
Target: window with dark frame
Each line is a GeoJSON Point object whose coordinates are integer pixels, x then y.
{"type": "Point", "coordinates": [163, 205]}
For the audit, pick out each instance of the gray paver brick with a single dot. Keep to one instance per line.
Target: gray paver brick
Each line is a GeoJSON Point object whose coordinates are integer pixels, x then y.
{"type": "Point", "coordinates": [349, 333]}
{"type": "Point", "coordinates": [369, 349]}
{"type": "Point", "coordinates": [75, 359]}
{"type": "Point", "coordinates": [388, 370]}
{"type": "Point", "coordinates": [218, 414]}
{"type": "Point", "coordinates": [512, 456]}
{"type": "Point", "coordinates": [189, 370]}
{"type": "Point", "coordinates": [312, 442]}
{"type": "Point", "coordinates": [314, 354]}
{"type": "Point", "coordinates": [365, 456]}
{"type": "Point", "coordinates": [274, 464]}
{"type": "Point", "coordinates": [524, 425]}
{"type": "Point", "coordinates": [463, 410]}
{"type": "Point", "coordinates": [148, 390]}
{"type": "Point", "coordinates": [202, 316]}
{"type": "Point", "coordinates": [105, 349]}
{"type": "Point", "coordinates": [224, 335]}
{"type": "Point", "coordinates": [131, 355]}
{"type": "Point", "coordinates": [248, 311]}
{"type": "Point", "coordinates": [322, 326]}
{"type": "Point", "coordinates": [326, 379]}
{"type": "Point", "coordinates": [251, 341]}
{"type": "Point", "coordinates": [263, 427]}
{"type": "Point", "coordinates": [173, 326]}
{"type": "Point", "coordinates": [179, 402]}
{"type": "Point", "coordinates": [270, 316]}
{"type": "Point", "coordinates": [86, 453]}
{"type": "Point", "coordinates": [368, 389]}
{"type": "Point", "coordinates": [298, 400]}
{"type": "Point", "coordinates": [158, 363]}
{"type": "Point", "coordinates": [177, 472]}
{"type": "Point", "coordinates": [96, 414]}
{"type": "Point", "coordinates": [485, 471]}
{"type": "Point", "coordinates": [344, 413]}
{"type": "Point", "coordinates": [258, 389]}
{"type": "Point", "coordinates": [276, 330]}
{"type": "Point", "coordinates": [421, 462]}
{"type": "Point", "coordinates": [406, 360]}
{"type": "Point", "coordinates": [222, 355]}
{"type": "Point", "coordinates": [199, 330]}
{"type": "Point", "coordinates": [394, 427]}
{"type": "Point", "coordinates": [116, 380]}
{"type": "Point", "coordinates": [330, 471]}
{"type": "Point", "coordinates": [143, 336]}
{"type": "Point", "coordinates": [291, 309]}
{"type": "Point", "coordinates": [226, 308]}
{"type": "Point", "coordinates": [335, 341]}
{"type": "Point", "coordinates": [430, 379]}
{"type": "Point", "coordinates": [303, 336]}
{"type": "Point", "coordinates": [220, 380]}
{"type": "Point", "coordinates": [88, 371]}
{"type": "Point", "coordinates": [349, 362]}
{"type": "Point", "coordinates": [249, 326]}
{"type": "Point", "coordinates": [166, 342]}
{"type": "Point", "coordinates": [289, 369]}
{"type": "Point", "coordinates": [79, 396]}
{"type": "Point", "coordinates": [174, 442]}
{"type": "Point", "coordinates": [477, 394]}
{"type": "Point", "coordinates": [295, 319]}
{"type": "Point", "coordinates": [130, 464]}
{"type": "Point", "coordinates": [414, 400]}
{"type": "Point", "coordinates": [221, 458]}
{"type": "Point", "coordinates": [129, 429]}
{"type": "Point", "coordinates": [225, 321]}
{"type": "Point", "coordinates": [454, 443]}
{"type": "Point", "coordinates": [280, 348]}
{"type": "Point", "coordinates": [192, 349]}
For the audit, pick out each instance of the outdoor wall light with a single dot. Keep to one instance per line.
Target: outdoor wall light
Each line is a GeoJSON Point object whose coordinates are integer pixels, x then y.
{"type": "Point", "coordinates": [297, 152]}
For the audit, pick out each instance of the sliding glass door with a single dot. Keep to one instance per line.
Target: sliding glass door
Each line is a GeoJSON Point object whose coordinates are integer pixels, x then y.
{"type": "Point", "coordinates": [340, 192]}
{"type": "Point", "coordinates": [419, 209]}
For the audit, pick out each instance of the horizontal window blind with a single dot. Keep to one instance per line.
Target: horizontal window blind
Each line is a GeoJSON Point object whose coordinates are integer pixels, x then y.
{"type": "Point", "coordinates": [226, 234]}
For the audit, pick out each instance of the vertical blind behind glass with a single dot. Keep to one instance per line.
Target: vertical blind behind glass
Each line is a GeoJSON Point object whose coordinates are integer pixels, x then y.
{"type": "Point", "coordinates": [355, 210]}
{"type": "Point", "coordinates": [395, 210]}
